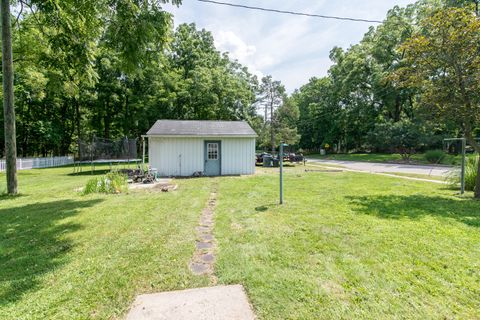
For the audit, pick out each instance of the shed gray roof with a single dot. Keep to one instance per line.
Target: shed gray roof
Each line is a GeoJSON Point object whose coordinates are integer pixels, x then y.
{"type": "Point", "coordinates": [201, 128]}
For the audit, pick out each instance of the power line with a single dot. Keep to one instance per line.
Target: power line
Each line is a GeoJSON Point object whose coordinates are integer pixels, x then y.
{"type": "Point", "coordinates": [289, 12]}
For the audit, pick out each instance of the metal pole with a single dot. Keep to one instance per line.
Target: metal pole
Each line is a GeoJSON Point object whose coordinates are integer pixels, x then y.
{"type": "Point", "coordinates": [462, 174]}
{"type": "Point", "coordinates": [143, 155]}
{"type": "Point", "coordinates": [281, 172]}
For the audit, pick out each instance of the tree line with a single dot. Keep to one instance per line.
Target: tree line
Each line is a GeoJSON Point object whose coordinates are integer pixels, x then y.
{"type": "Point", "coordinates": [411, 82]}
{"type": "Point", "coordinates": [401, 78]}
{"type": "Point", "coordinates": [59, 100]}
{"type": "Point", "coordinates": [111, 68]}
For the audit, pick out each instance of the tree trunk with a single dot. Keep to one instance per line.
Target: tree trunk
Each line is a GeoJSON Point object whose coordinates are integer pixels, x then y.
{"type": "Point", "coordinates": [106, 121]}
{"type": "Point", "coordinates": [8, 104]}
{"type": "Point", "coordinates": [126, 127]}
{"type": "Point", "coordinates": [272, 132]}
{"type": "Point", "coordinates": [78, 117]}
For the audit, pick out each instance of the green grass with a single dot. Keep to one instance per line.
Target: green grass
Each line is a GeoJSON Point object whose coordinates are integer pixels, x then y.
{"type": "Point", "coordinates": [380, 157]}
{"type": "Point", "coordinates": [68, 256]}
{"type": "Point", "coordinates": [344, 246]}
{"type": "Point", "coordinates": [417, 175]}
{"type": "Point", "coordinates": [350, 246]}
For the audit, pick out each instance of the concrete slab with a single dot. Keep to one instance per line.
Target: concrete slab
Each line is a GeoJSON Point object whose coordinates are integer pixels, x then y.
{"type": "Point", "coordinates": [213, 303]}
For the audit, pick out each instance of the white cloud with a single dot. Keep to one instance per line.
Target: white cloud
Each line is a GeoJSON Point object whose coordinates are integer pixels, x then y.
{"type": "Point", "coordinates": [290, 48]}
{"type": "Point", "coordinates": [228, 41]}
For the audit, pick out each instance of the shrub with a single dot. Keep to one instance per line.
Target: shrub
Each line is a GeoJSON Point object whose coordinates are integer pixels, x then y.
{"type": "Point", "coordinates": [111, 183]}
{"type": "Point", "coordinates": [434, 156]}
{"type": "Point", "coordinates": [470, 175]}
{"type": "Point", "coordinates": [403, 137]}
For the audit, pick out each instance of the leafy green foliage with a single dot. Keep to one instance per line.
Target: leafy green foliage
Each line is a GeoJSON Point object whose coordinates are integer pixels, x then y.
{"type": "Point", "coordinates": [60, 100]}
{"type": "Point", "coordinates": [111, 183]}
{"type": "Point", "coordinates": [270, 97]}
{"type": "Point", "coordinates": [366, 84]}
{"type": "Point", "coordinates": [443, 60]}
{"type": "Point", "coordinates": [471, 174]}
{"type": "Point", "coordinates": [404, 137]}
{"type": "Point", "coordinates": [435, 156]}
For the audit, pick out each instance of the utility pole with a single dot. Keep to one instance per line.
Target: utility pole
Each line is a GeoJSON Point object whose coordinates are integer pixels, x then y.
{"type": "Point", "coordinates": [8, 102]}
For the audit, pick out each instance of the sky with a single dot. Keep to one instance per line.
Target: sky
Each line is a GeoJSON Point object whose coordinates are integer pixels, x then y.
{"type": "Point", "coordinates": [292, 49]}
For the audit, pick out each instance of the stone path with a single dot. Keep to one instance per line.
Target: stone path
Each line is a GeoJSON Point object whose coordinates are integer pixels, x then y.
{"type": "Point", "coordinates": [203, 259]}
{"type": "Point", "coordinates": [212, 303]}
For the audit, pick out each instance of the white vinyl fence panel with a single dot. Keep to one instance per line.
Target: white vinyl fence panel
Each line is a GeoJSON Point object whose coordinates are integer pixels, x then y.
{"type": "Point", "coordinates": [35, 163]}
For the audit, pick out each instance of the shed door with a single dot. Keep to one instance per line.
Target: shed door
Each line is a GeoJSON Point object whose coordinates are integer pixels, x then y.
{"type": "Point", "coordinates": [212, 158]}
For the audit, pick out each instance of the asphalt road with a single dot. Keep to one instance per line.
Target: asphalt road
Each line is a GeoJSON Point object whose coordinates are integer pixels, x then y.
{"type": "Point", "coordinates": [387, 167]}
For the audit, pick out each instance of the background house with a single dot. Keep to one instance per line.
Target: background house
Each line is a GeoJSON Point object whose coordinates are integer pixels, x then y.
{"type": "Point", "coordinates": [182, 148]}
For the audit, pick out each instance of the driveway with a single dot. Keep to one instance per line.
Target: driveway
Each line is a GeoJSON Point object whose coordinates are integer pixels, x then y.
{"type": "Point", "coordinates": [387, 167]}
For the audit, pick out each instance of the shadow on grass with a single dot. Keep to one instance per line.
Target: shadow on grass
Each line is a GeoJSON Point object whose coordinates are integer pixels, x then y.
{"type": "Point", "coordinates": [266, 207]}
{"type": "Point", "coordinates": [90, 173]}
{"type": "Point", "coordinates": [32, 243]}
{"type": "Point", "coordinates": [417, 206]}
{"type": "Point", "coordinates": [5, 196]}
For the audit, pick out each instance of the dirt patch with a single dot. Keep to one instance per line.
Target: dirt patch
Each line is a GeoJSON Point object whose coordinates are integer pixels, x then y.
{"type": "Point", "coordinates": [164, 185]}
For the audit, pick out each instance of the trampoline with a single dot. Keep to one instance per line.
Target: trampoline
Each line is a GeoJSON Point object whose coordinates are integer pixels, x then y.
{"type": "Point", "coordinates": [98, 151]}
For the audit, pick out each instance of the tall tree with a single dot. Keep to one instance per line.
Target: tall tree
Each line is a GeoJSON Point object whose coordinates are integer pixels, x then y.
{"type": "Point", "coordinates": [8, 100]}
{"type": "Point", "coordinates": [270, 98]}
{"type": "Point", "coordinates": [443, 59]}
{"type": "Point", "coordinates": [136, 26]}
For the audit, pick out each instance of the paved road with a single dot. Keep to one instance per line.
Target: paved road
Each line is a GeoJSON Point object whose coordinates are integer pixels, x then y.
{"type": "Point", "coordinates": [387, 167]}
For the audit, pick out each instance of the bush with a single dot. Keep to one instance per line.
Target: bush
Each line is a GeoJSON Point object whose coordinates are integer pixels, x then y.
{"type": "Point", "coordinates": [110, 183]}
{"type": "Point", "coordinates": [434, 156]}
{"type": "Point", "coordinates": [470, 175]}
{"type": "Point", "coordinates": [404, 137]}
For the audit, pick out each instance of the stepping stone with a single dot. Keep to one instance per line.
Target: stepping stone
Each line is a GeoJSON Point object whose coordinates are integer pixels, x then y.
{"type": "Point", "coordinates": [199, 268]}
{"type": "Point", "coordinates": [214, 303]}
{"type": "Point", "coordinates": [207, 222]}
{"type": "Point", "coordinates": [203, 229]}
{"type": "Point", "coordinates": [205, 237]}
{"type": "Point", "coordinates": [204, 245]}
{"type": "Point", "coordinates": [207, 258]}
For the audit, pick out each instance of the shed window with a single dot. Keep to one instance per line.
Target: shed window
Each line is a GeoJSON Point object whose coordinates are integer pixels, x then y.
{"type": "Point", "coordinates": [212, 151]}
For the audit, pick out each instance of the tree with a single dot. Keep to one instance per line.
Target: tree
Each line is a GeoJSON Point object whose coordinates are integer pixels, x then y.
{"type": "Point", "coordinates": [8, 100]}
{"type": "Point", "coordinates": [285, 123]}
{"type": "Point", "coordinates": [135, 25]}
{"type": "Point", "coordinates": [443, 60]}
{"type": "Point", "coordinates": [403, 137]}
{"type": "Point", "coordinates": [270, 97]}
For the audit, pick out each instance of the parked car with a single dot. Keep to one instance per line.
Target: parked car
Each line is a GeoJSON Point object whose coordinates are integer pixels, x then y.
{"type": "Point", "coordinates": [260, 156]}
{"type": "Point", "coordinates": [292, 157]}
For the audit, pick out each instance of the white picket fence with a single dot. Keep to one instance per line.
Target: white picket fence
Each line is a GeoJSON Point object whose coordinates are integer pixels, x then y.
{"type": "Point", "coordinates": [34, 163]}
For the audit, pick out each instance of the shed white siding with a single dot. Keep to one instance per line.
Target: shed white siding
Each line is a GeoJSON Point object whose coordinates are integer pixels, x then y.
{"type": "Point", "coordinates": [238, 156]}
{"type": "Point", "coordinates": [182, 156]}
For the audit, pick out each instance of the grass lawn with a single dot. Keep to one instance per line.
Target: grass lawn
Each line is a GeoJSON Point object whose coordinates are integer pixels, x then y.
{"type": "Point", "coordinates": [380, 157]}
{"type": "Point", "coordinates": [350, 246]}
{"type": "Point", "coordinates": [344, 245]}
{"type": "Point", "coordinates": [68, 256]}
{"type": "Point", "coordinates": [417, 175]}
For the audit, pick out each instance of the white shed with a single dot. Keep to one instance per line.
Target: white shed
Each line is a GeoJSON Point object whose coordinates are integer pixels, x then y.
{"type": "Point", "coordinates": [182, 148]}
